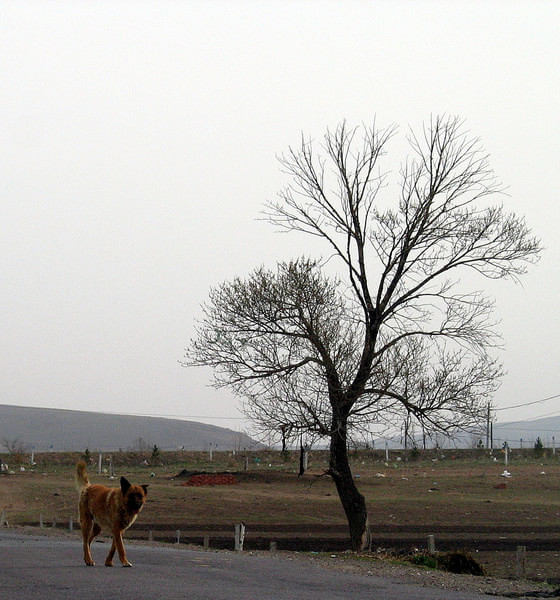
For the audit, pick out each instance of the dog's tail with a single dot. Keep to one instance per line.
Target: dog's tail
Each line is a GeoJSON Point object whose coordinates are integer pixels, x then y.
{"type": "Point", "coordinates": [82, 479]}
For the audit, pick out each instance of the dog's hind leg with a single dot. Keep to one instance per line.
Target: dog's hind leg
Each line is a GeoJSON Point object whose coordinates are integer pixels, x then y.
{"type": "Point", "coordinates": [90, 530]}
{"type": "Point", "coordinates": [109, 559]}
{"type": "Point", "coordinates": [94, 533]}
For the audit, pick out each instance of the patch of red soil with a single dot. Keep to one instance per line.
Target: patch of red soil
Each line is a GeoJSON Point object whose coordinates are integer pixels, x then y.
{"type": "Point", "coordinates": [200, 479]}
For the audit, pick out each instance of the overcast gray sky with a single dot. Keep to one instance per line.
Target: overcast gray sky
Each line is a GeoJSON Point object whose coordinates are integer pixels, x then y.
{"type": "Point", "coordinates": [139, 142]}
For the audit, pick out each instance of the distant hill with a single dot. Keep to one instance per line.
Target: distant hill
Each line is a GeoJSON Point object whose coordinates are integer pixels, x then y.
{"type": "Point", "coordinates": [518, 434]}
{"type": "Point", "coordinates": [44, 429]}
{"type": "Point", "coordinates": [525, 433]}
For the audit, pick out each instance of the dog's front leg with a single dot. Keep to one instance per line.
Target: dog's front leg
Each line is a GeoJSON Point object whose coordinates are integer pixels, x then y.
{"type": "Point", "coordinates": [118, 542]}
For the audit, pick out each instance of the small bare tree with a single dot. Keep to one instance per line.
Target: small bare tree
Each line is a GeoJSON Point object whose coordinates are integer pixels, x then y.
{"type": "Point", "coordinates": [395, 336]}
{"type": "Point", "coordinates": [16, 449]}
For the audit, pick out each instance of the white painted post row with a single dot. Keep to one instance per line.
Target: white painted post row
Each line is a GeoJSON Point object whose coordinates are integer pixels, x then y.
{"type": "Point", "coordinates": [42, 522]}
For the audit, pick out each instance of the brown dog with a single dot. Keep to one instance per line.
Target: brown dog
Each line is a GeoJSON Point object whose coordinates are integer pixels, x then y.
{"type": "Point", "coordinates": [113, 508]}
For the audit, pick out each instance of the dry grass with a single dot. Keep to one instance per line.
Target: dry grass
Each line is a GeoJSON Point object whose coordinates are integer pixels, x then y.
{"type": "Point", "coordinates": [427, 492]}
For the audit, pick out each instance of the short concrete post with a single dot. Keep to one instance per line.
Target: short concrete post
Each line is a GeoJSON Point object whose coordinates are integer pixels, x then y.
{"type": "Point", "coordinates": [431, 544]}
{"type": "Point", "coordinates": [273, 545]}
{"type": "Point", "coordinates": [71, 524]}
{"type": "Point", "coordinates": [239, 537]}
{"type": "Point", "coordinates": [54, 522]}
{"type": "Point", "coordinates": [151, 535]}
{"type": "Point", "coordinates": [3, 520]}
{"type": "Point", "coordinates": [206, 541]}
{"type": "Point", "coordinates": [521, 566]}
{"type": "Point", "coordinates": [41, 524]}
{"type": "Point", "coordinates": [178, 534]}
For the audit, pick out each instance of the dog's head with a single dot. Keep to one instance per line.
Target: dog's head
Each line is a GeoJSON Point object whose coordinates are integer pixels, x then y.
{"type": "Point", "coordinates": [134, 496]}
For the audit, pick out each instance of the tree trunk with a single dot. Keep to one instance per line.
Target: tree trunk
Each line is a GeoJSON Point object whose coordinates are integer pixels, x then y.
{"type": "Point", "coordinates": [303, 458]}
{"type": "Point", "coordinates": [352, 500]}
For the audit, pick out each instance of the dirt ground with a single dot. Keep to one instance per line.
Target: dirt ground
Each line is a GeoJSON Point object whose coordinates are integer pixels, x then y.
{"type": "Point", "coordinates": [436, 491]}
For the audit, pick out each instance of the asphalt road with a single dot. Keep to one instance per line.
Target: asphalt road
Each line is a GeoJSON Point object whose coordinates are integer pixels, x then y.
{"type": "Point", "coordinates": [49, 568]}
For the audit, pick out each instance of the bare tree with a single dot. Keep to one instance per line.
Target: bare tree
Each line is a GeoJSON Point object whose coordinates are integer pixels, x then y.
{"type": "Point", "coordinates": [16, 448]}
{"type": "Point", "coordinates": [395, 335]}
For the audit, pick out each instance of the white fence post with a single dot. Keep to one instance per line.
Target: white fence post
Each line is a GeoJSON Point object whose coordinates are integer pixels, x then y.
{"type": "Point", "coordinates": [521, 561]}
{"type": "Point", "coordinates": [239, 537]}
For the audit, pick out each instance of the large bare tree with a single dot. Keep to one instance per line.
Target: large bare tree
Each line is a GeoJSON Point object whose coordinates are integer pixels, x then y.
{"type": "Point", "coordinates": [399, 331]}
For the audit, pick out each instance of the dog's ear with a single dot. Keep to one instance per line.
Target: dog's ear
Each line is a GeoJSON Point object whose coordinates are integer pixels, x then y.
{"type": "Point", "coordinates": [145, 488]}
{"type": "Point", "coordinates": [125, 485]}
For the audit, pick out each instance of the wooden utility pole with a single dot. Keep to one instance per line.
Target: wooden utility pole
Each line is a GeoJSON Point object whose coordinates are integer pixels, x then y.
{"type": "Point", "coordinates": [488, 426]}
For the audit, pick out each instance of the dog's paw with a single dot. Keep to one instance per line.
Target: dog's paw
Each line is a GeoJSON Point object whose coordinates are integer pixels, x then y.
{"type": "Point", "coordinates": [90, 564]}
{"type": "Point", "coordinates": [108, 564]}
{"type": "Point", "coordinates": [127, 564]}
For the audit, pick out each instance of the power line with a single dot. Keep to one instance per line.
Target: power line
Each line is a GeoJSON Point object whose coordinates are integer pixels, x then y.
{"type": "Point", "coordinates": [165, 416]}
{"type": "Point", "coordinates": [554, 413]}
{"type": "Point", "coordinates": [527, 403]}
